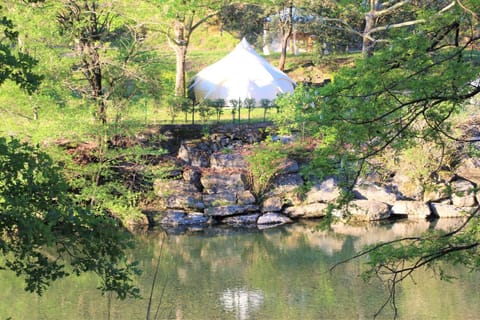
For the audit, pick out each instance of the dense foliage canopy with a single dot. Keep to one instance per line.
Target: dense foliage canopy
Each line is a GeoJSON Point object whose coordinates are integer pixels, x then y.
{"type": "Point", "coordinates": [404, 94]}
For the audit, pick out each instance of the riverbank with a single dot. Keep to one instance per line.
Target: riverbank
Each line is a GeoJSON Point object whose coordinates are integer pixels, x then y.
{"type": "Point", "coordinates": [210, 182]}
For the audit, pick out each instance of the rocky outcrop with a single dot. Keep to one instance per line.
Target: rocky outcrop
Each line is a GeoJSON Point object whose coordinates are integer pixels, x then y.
{"type": "Point", "coordinates": [442, 210]}
{"type": "Point", "coordinates": [312, 210]}
{"type": "Point", "coordinates": [218, 181]}
{"type": "Point", "coordinates": [212, 186]}
{"type": "Point", "coordinates": [371, 191]}
{"type": "Point", "coordinates": [469, 169]}
{"type": "Point", "coordinates": [463, 194]}
{"type": "Point", "coordinates": [368, 210]}
{"type": "Point", "coordinates": [326, 191]}
{"type": "Point", "coordinates": [413, 209]}
{"type": "Point", "coordinates": [230, 210]}
{"type": "Point", "coordinates": [273, 219]}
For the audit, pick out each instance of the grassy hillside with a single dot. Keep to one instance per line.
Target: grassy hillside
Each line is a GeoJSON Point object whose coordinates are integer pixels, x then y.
{"type": "Point", "coordinates": [60, 118]}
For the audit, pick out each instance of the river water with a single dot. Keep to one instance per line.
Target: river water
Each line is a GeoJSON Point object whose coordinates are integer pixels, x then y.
{"type": "Point", "coordinates": [278, 273]}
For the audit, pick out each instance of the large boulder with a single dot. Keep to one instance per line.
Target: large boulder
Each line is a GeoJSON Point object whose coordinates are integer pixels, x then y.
{"type": "Point", "coordinates": [192, 176]}
{"type": "Point", "coordinates": [286, 183]}
{"type": "Point", "coordinates": [272, 204]}
{"type": "Point", "coordinates": [273, 218]}
{"type": "Point", "coordinates": [375, 192]}
{"type": "Point", "coordinates": [289, 166]}
{"type": "Point", "coordinates": [181, 218]}
{"type": "Point", "coordinates": [223, 181]}
{"type": "Point", "coordinates": [286, 186]}
{"type": "Point", "coordinates": [164, 188]}
{"type": "Point", "coordinates": [414, 209]}
{"type": "Point", "coordinates": [313, 210]}
{"type": "Point", "coordinates": [368, 210]}
{"type": "Point", "coordinates": [196, 154]}
{"type": "Point", "coordinates": [186, 200]}
{"type": "Point", "coordinates": [179, 194]}
{"type": "Point", "coordinates": [326, 191]}
{"type": "Point", "coordinates": [407, 187]}
{"type": "Point", "coordinates": [442, 210]}
{"type": "Point", "coordinates": [227, 160]}
{"type": "Point", "coordinates": [219, 199]}
{"type": "Point", "coordinates": [469, 169]}
{"type": "Point", "coordinates": [436, 192]}
{"type": "Point", "coordinates": [243, 220]}
{"type": "Point", "coordinates": [230, 210]}
{"type": "Point", "coordinates": [463, 194]}
{"type": "Point", "coordinates": [246, 197]}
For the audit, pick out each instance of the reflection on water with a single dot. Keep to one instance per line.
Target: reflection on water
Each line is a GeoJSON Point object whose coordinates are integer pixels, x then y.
{"type": "Point", "coordinates": [279, 273]}
{"type": "Point", "coordinates": [241, 302]}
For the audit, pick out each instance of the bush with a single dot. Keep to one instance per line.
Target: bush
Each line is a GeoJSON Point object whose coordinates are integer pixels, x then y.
{"type": "Point", "coordinates": [264, 163]}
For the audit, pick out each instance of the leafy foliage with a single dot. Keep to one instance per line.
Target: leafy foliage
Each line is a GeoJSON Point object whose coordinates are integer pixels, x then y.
{"type": "Point", "coordinates": [264, 163]}
{"type": "Point", "coordinates": [46, 236]}
{"type": "Point", "coordinates": [401, 94]}
{"type": "Point", "coordinates": [16, 65]}
{"type": "Point", "coordinates": [398, 259]}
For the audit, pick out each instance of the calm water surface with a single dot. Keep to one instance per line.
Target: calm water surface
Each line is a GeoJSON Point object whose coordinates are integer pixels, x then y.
{"type": "Point", "coordinates": [279, 273]}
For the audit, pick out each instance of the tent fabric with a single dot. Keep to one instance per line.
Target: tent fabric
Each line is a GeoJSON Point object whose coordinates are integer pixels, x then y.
{"type": "Point", "coordinates": [239, 75]}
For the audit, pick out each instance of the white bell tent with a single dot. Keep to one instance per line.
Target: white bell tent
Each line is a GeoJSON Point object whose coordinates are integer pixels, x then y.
{"type": "Point", "coordinates": [239, 75]}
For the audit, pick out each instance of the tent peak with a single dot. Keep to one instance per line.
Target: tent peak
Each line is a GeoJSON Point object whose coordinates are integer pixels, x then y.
{"type": "Point", "coordinates": [244, 44]}
{"type": "Point", "coordinates": [242, 74]}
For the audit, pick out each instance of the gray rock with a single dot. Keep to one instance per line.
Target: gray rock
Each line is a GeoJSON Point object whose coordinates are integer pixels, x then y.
{"type": "Point", "coordinates": [285, 183]}
{"type": "Point", "coordinates": [246, 197]}
{"type": "Point", "coordinates": [227, 160]}
{"type": "Point", "coordinates": [219, 199]}
{"type": "Point", "coordinates": [232, 210]}
{"type": "Point", "coordinates": [165, 188]}
{"type": "Point", "coordinates": [313, 210]}
{"type": "Point", "coordinates": [184, 154]}
{"type": "Point", "coordinates": [272, 204]}
{"type": "Point", "coordinates": [326, 191]}
{"type": "Point", "coordinates": [185, 200]}
{"type": "Point", "coordinates": [469, 169]}
{"type": "Point", "coordinates": [217, 181]}
{"type": "Point", "coordinates": [435, 193]}
{"type": "Point", "coordinates": [192, 176]}
{"type": "Point", "coordinates": [195, 153]}
{"type": "Point", "coordinates": [181, 218]}
{"type": "Point", "coordinates": [407, 187]}
{"type": "Point", "coordinates": [368, 210]}
{"type": "Point", "coordinates": [372, 191]}
{"type": "Point", "coordinates": [273, 218]}
{"type": "Point", "coordinates": [463, 193]}
{"type": "Point", "coordinates": [243, 220]}
{"type": "Point", "coordinates": [289, 166]}
{"type": "Point", "coordinates": [442, 210]}
{"type": "Point", "coordinates": [414, 209]}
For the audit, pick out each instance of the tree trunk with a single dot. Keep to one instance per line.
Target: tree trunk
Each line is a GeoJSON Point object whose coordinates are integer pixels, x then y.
{"type": "Point", "coordinates": [283, 54]}
{"type": "Point", "coordinates": [92, 70]}
{"type": "Point", "coordinates": [95, 79]}
{"type": "Point", "coordinates": [368, 44]}
{"type": "Point", "coordinates": [286, 28]}
{"type": "Point", "coordinates": [180, 54]}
